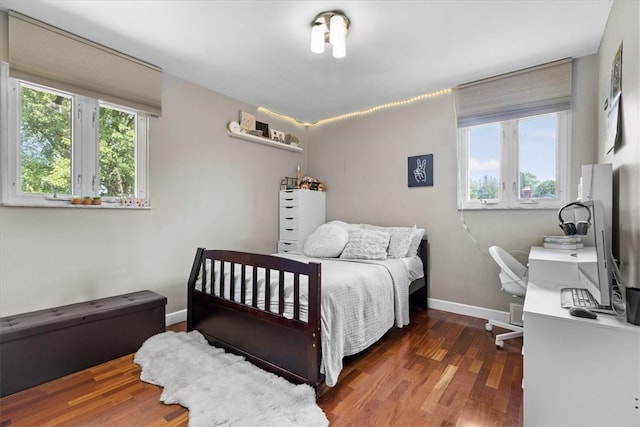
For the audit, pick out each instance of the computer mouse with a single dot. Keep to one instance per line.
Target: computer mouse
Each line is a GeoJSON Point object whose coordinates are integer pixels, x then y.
{"type": "Point", "coordinates": [582, 312]}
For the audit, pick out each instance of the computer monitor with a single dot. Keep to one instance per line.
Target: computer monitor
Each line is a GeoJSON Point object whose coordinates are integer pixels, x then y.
{"type": "Point", "coordinates": [599, 277]}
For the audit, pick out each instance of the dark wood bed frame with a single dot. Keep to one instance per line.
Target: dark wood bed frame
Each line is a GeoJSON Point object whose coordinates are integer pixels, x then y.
{"type": "Point", "coordinates": [288, 347]}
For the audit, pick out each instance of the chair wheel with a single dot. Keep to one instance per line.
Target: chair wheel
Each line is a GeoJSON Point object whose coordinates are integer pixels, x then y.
{"type": "Point", "coordinates": [500, 343]}
{"type": "Point", "coordinates": [488, 327]}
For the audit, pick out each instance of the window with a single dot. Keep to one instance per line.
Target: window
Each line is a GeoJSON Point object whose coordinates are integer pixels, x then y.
{"type": "Point", "coordinates": [45, 136]}
{"type": "Point", "coordinates": [117, 151]}
{"type": "Point", "coordinates": [519, 163]}
{"type": "Point", "coordinates": [61, 145]}
{"type": "Point", "coordinates": [513, 138]}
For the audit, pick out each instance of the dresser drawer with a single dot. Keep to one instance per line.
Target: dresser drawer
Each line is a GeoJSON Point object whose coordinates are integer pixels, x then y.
{"type": "Point", "coordinates": [289, 198]}
{"type": "Point", "coordinates": [289, 217]}
{"type": "Point", "coordinates": [284, 246]}
{"type": "Point", "coordinates": [288, 223]}
{"type": "Point", "coordinates": [289, 234]}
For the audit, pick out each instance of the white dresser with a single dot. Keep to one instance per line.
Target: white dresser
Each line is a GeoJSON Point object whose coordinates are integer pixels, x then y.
{"type": "Point", "coordinates": [301, 212]}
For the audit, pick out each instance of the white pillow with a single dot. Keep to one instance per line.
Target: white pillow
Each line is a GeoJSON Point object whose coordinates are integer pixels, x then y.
{"type": "Point", "coordinates": [399, 241]}
{"type": "Point", "coordinates": [366, 244]}
{"type": "Point", "coordinates": [327, 241]}
{"type": "Point", "coordinates": [345, 225]}
{"type": "Point", "coordinates": [416, 238]}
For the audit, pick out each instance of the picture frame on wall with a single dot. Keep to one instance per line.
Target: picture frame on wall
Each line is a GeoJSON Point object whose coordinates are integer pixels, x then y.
{"type": "Point", "coordinates": [247, 121]}
{"type": "Point", "coordinates": [264, 127]}
{"type": "Point", "coordinates": [612, 124]}
{"type": "Point", "coordinates": [420, 171]}
{"type": "Point", "coordinates": [616, 75]}
{"type": "Point", "coordinates": [612, 104]}
{"type": "Point", "coordinates": [277, 135]}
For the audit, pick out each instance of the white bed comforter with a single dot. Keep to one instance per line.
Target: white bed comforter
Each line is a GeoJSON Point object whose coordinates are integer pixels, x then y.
{"type": "Point", "coordinates": [361, 301]}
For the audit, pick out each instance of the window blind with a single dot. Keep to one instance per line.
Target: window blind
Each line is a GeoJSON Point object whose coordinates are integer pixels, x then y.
{"type": "Point", "coordinates": [43, 54]}
{"type": "Point", "coordinates": [532, 91]}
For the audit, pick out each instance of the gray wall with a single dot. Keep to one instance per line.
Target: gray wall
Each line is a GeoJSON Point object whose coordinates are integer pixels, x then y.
{"type": "Point", "coordinates": [210, 190]}
{"type": "Point", "coordinates": [622, 27]}
{"type": "Point", "coordinates": [206, 189]}
{"type": "Point", "coordinates": [364, 163]}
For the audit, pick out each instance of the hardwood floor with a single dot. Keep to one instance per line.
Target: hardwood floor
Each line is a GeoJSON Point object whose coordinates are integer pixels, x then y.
{"type": "Point", "coordinates": [442, 370]}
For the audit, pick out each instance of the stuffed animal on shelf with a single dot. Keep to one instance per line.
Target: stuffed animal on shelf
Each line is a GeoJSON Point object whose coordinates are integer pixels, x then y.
{"type": "Point", "coordinates": [291, 139]}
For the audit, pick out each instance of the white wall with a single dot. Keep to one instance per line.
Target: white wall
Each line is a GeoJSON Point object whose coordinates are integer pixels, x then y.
{"type": "Point", "coordinates": [623, 27]}
{"type": "Point", "coordinates": [364, 163]}
{"type": "Point", "coordinates": [206, 189]}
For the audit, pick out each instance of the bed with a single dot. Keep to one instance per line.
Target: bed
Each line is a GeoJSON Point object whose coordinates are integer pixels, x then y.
{"type": "Point", "coordinates": [298, 316]}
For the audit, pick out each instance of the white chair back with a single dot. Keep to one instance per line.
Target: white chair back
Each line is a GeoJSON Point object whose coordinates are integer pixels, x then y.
{"type": "Point", "coordinates": [513, 275]}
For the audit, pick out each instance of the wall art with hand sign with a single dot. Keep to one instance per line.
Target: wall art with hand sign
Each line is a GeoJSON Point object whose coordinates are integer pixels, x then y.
{"type": "Point", "coordinates": [420, 171]}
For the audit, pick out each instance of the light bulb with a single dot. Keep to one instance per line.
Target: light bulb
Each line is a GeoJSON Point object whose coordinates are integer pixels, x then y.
{"type": "Point", "coordinates": [317, 38]}
{"type": "Point", "coordinates": [339, 50]}
{"type": "Point", "coordinates": [336, 30]}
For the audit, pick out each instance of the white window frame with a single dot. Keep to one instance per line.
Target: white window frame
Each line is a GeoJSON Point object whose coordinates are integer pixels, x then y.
{"type": "Point", "coordinates": [85, 150]}
{"type": "Point", "coordinates": [509, 194]}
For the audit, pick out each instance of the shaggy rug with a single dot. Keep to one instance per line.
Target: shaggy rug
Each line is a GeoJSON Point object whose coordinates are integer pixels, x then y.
{"type": "Point", "coordinates": [221, 388]}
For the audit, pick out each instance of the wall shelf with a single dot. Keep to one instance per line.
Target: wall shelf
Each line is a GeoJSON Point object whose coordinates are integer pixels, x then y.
{"type": "Point", "coordinates": [263, 140]}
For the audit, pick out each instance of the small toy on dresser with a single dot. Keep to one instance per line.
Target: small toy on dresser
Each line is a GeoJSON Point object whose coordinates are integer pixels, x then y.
{"type": "Point", "coordinates": [307, 183]}
{"type": "Point", "coordinates": [311, 183]}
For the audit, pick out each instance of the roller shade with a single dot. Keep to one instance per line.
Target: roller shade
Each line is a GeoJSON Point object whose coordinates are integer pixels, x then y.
{"type": "Point", "coordinates": [44, 54]}
{"type": "Point", "coordinates": [538, 90]}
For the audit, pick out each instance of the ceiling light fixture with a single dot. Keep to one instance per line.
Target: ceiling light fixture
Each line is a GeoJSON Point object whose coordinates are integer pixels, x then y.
{"type": "Point", "coordinates": [330, 27]}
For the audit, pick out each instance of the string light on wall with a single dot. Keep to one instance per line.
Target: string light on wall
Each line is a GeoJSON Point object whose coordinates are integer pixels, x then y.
{"type": "Point", "coordinates": [330, 27]}
{"type": "Point", "coordinates": [356, 113]}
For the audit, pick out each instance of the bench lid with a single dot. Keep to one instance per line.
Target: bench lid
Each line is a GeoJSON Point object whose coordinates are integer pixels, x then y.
{"type": "Point", "coordinates": [50, 319]}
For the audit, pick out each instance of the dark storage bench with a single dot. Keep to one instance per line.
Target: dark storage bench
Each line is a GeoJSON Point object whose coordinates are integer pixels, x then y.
{"type": "Point", "coordinates": [42, 345]}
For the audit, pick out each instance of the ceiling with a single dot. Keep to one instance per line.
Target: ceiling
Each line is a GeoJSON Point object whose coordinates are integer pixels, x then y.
{"type": "Point", "coordinates": [258, 52]}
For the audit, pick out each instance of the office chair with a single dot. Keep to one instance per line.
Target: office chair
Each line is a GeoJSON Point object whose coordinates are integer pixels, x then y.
{"type": "Point", "coordinates": [513, 277]}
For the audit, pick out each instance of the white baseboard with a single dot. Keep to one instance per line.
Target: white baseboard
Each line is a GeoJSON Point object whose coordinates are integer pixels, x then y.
{"type": "Point", "coordinates": [176, 317]}
{"type": "Point", "coordinates": [469, 310]}
{"type": "Point", "coordinates": [436, 304]}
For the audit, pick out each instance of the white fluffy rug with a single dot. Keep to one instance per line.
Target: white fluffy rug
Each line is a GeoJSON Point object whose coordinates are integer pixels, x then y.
{"type": "Point", "coordinates": [221, 388]}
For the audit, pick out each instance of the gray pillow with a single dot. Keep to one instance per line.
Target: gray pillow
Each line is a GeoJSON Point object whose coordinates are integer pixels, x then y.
{"type": "Point", "coordinates": [399, 242]}
{"type": "Point", "coordinates": [327, 241]}
{"type": "Point", "coordinates": [366, 244]}
{"type": "Point", "coordinates": [416, 238]}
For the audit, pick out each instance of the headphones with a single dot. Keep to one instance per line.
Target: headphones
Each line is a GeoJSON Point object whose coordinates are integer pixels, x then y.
{"type": "Point", "coordinates": [569, 227]}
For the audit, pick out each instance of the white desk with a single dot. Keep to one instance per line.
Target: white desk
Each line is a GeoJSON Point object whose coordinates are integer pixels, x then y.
{"type": "Point", "coordinates": [577, 372]}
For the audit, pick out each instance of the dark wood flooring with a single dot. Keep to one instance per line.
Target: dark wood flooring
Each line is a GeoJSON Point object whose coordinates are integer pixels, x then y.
{"type": "Point", "coordinates": [442, 370]}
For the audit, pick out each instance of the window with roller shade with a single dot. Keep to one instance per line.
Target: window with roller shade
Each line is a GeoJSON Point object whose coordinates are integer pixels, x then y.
{"type": "Point", "coordinates": [77, 122]}
{"type": "Point", "coordinates": [513, 138]}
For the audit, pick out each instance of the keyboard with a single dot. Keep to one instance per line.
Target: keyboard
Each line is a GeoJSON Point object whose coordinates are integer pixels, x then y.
{"type": "Point", "coordinates": [578, 297]}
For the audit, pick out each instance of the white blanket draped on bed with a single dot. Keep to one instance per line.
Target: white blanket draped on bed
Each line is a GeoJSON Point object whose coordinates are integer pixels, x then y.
{"type": "Point", "coordinates": [361, 301]}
